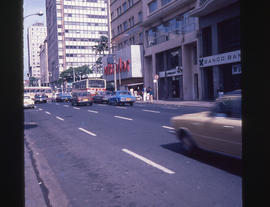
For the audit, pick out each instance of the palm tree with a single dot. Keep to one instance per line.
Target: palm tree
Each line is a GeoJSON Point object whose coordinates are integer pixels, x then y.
{"type": "Point", "coordinates": [102, 45]}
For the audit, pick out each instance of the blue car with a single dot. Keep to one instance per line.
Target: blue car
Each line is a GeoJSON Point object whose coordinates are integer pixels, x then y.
{"type": "Point", "coordinates": [121, 97]}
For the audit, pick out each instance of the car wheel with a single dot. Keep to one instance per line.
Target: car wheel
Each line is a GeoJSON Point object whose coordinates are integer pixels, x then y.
{"type": "Point", "coordinates": [131, 104]}
{"type": "Point", "coordinates": [186, 142]}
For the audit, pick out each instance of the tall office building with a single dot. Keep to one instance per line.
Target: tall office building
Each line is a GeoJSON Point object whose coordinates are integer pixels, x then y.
{"type": "Point", "coordinates": [36, 35]}
{"type": "Point", "coordinates": [73, 27]}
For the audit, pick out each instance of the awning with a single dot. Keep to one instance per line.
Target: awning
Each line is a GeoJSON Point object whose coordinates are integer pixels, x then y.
{"type": "Point", "coordinates": [134, 84]}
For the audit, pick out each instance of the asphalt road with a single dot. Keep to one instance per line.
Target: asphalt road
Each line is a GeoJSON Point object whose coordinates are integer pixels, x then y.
{"type": "Point", "coordinates": [115, 156]}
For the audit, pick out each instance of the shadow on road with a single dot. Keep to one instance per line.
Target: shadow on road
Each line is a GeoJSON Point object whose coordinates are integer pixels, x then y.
{"type": "Point", "coordinates": [229, 164]}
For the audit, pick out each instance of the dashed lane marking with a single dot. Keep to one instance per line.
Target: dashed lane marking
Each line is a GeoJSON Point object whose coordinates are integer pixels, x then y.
{"type": "Point", "coordinates": [151, 111]}
{"type": "Point", "coordinates": [121, 117]}
{"type": "Point", "coordinates": [47, 112]}
{"type": "Point", "coordinates": [59, 118]}
{"type": "Point", "coordinates": [167, 127]}
{"type": "Point", "coordinates": [76, 108]}
{"type": "Point", "coordinates": [88, 132]}
{"type": "Point", "coordinates": [93, 111]}
{"type": "Point", "coordinates": [149, 162]}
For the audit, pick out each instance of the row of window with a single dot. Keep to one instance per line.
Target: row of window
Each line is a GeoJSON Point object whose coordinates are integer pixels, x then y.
{"type": "Point", "coordinates": [126, 24]}
{"type": "Point", "coordinates": [85, 16]}
{"type": "Point", "coordinates": [84, 24]}
{"type": "Point", "coordinates": [153, 6]}
{"type": "Point", "coordinates": [123, 8]}
{"type": "Point", "coordinates": [75, 31]}
{"type": "Point", "coordinates": [88, 8]}
{"type": "Point", "coordinates": [82, 39]}
{"type": "Point", "coordinates": [80, 55]}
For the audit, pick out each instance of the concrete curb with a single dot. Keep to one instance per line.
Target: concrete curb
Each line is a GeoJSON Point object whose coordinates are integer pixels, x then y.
{"type": "Point", "coordinates": [203, 104]}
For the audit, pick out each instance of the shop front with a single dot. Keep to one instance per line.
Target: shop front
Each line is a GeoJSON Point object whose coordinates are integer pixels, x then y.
{"type": "Point", "coordinates": [126, 70]}
{"type": "Point", "coordinates": [221, 72]}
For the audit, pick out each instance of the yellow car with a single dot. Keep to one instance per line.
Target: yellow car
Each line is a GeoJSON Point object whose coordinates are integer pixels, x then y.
{"type": "Point", "coordinates": [28, 102]}
{"type": "Point", "coordinates": [218, 130]}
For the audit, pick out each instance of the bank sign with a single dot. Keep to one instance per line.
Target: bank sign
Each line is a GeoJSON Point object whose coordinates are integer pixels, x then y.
{"type": "Point", "coordinates": [219, 59]}
{"type": "Point", "coordinates": [128, 62]}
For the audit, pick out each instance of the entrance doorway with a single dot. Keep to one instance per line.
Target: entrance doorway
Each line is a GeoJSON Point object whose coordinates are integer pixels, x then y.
{"type": "Point", "coordinates": [208, 83]}
{"type": "Point", "coordinates": [175, 88]}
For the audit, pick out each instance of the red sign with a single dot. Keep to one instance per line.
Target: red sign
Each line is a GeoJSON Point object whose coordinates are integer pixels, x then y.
{"type": "Point", "coordinates": [121, 66]}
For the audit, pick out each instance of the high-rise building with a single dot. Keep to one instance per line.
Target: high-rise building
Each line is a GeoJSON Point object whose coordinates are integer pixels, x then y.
{"type": "Point", "coordinates": [36, 35]}
{"type": "Point", "coordinates": [73, 27]}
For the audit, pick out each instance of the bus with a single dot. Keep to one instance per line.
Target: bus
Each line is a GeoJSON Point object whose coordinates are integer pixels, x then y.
{"type": "Point", "coordinates": [33, 90]}
{"type": "Point", "coordinates": [90, 85]}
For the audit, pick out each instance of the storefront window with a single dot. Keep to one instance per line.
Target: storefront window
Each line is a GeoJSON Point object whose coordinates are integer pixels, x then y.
{"type": "Point", "coordinates": [172, 59]}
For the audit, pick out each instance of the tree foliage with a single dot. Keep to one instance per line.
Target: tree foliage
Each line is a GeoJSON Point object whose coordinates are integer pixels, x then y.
{"type": "Point", "coordinates": [102, 46]}
{"type": "Point", "coordinates": [80, 73]}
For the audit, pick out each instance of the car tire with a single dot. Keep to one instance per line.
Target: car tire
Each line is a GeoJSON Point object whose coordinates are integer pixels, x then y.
{"type": "Point", "coordinates": [131, 104]}
{"type": "Point", "coordinates": [187, 143]}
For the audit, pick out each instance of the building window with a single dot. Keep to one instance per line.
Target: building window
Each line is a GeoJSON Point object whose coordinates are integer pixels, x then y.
{"type": "Point", "coordinates": [125, 25]}
{"type": "Point", "coordinates": [124, 5]}
{"type": "Point", "coordinates": [163, 2]}
{"type": "Point", "coordinates": [153, 6]}
{"type": "Point", "coordinates": [140, 16]}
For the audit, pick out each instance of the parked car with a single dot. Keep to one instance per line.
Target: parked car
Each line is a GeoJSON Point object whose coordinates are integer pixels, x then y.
{"type": "Point", "coordinates": [102, 96]}
{"type": "Point", "coordinates": [40, 98]}
{"type": "Point", "coordinates": [121, 97]}
{"type": "Point", "coordinates": [28, 102]}
{"type": "Point", "coordinates": [219, 129]}
{"type": "Point", "coordinates": [63, 97]}
{"type": "Point", "coordinates": [82, 98]}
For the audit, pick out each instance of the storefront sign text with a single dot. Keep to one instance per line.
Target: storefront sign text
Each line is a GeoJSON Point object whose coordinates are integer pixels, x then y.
{"type": "Point", "coordinates": [225, 58]}
{"type": "Point", "coordinates": [121, 66]}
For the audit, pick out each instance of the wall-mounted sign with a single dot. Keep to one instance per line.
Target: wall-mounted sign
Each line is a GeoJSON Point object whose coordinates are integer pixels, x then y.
{"type": "Point", "coordinates": [224, 58]}
{"type": "Point", "coordinates": [127, 63]}
{"type": "Point", "coordinates": [169, 73]}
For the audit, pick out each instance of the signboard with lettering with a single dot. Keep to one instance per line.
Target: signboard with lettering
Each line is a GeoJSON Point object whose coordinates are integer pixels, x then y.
{"type": "Point", "coordinates": [219, 59]}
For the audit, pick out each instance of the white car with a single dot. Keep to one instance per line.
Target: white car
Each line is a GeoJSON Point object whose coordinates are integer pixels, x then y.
{"type": "Point", "coordinates": [28, 102]}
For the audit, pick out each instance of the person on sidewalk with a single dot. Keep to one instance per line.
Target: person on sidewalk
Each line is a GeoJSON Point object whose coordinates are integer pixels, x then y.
{"type": "Point", "coordinates": [144, 94]}
{"type": "Point", "coordinates": [151, 94]}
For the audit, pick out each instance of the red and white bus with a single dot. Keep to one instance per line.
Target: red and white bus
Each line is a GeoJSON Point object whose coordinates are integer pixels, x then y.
{"type": "Point", "coordinates": [90, 85]}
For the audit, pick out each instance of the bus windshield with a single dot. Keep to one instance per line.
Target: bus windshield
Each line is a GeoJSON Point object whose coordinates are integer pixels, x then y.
{"type": "Point", "coordinates": [96, 83]}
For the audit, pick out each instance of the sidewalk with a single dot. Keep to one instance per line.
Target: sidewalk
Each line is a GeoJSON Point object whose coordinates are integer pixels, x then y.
{"type": "Point", "coordinates": [206, 104]}
{"type": "Point", "coordinates": [33, 194]}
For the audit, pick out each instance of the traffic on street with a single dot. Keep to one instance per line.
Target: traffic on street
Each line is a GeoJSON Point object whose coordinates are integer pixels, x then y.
{"type": "Point", "coordinates": [123, 155]}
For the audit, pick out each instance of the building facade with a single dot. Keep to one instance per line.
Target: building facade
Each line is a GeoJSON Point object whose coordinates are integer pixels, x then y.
{"type": "Point", "coordinates": [74, 26]}
{"type": "Point", "coordinates": [126, 42]}
{"type": "Point", "coordinates": [170, 49]}
{"type": "Point", "coordinates": [44, 73]}
{"type": "Point", "coordinates": [219, 43]}
{"type": "Point", "coordinates": [36, 34]}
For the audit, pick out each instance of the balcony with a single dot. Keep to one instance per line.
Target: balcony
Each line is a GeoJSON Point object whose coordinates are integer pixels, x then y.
{"type": "Point", "coordinates": [208, 6]}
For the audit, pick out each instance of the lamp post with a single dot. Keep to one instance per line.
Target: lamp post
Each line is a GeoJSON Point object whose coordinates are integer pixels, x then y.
{"type": "Point", "coordinates": [40, 13]}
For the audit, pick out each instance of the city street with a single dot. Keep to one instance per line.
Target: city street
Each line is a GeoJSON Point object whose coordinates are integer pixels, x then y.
{"type": "Point", "coordinates": [122, 156]}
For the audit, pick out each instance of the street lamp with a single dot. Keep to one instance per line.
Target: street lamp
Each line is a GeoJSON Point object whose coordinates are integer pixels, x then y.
{"type": "Point", "coordinates": [40, 13]}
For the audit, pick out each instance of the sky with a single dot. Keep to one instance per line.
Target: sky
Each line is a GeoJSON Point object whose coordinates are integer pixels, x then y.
{"type": "Point", "coordinates": [31, 7]}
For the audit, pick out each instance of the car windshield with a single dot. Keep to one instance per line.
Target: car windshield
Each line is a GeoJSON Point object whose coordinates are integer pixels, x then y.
{"type": "Point", "coordinates": [96, 83]}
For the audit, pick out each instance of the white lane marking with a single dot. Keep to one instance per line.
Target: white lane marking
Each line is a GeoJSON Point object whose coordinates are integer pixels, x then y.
{"type": "Point", "coordinates": [59, 118]}
{"type": "Point", "coordinates": [121, 107]}
{"type": "Point", "coordinates": [47, 112]}
{"type": "Point", "coordinates": [167, 127]}
{"type": "Point", "coordinates": [40, 109]}
{"type": "Point", "coordinates": [88, 132]}
{"type": "Point", "coordinates": [121, 117]}
{"type": "Point", "coordinates": [57, 104]}
{"type": "Point", "coordinates": [151, 111]}
{"type": "Point", "coordinates": [66, 105]}
{"type": "Point", "coordinates": [76, 108]}
{"type": "Point", "coordinates": [93, 111]}
{"type": "Point", "coordinates": [149, 162]}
